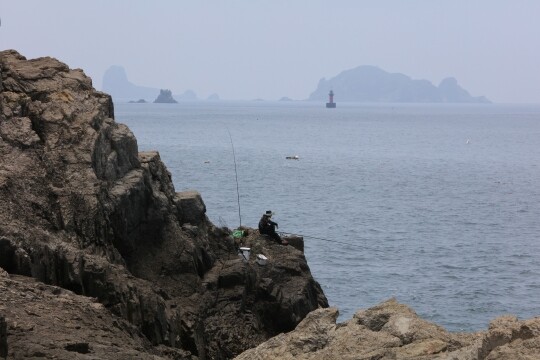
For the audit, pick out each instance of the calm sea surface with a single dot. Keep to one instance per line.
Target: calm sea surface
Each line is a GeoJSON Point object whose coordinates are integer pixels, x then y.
{"type": "Point", "coordinates": [436, 205]}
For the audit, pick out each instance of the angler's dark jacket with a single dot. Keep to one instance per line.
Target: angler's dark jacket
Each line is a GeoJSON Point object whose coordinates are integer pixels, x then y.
{"type": "Point", "coordinates": [267, 226]}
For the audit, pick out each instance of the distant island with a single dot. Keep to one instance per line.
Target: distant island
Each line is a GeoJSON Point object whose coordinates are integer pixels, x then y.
{"type": "Point", "coordinates": [140, 101]}
{"type": "Point", "coordinates": [116, 83]}
{"type": "Point", "coordinates": [371, 84]}
{"type": "Point", "coordinates": [165, 97]}
{"type": "Point", "coordinates": [188, 95]}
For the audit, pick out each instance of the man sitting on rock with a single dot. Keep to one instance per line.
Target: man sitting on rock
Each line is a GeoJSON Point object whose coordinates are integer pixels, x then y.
{"type": "Point", "coordinates": [268, 227]}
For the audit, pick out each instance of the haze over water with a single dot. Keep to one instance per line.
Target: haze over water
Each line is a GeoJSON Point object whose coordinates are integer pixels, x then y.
{"type": "Point", "coordinates": [242, 49]}
{"type": "Point", "coordinates": [437, 205]}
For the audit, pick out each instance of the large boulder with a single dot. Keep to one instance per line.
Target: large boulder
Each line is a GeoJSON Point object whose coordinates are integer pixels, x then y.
{"type": "Point", "coordinates": [191, 208]}
{"type": "Point", "coordinates": [81, 209]}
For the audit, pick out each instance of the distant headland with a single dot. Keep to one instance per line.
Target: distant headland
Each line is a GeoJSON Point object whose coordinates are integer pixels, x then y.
{"type": "Point", "coordinates": [116, 83]}
{"type": "Point", "coordinates": [371, 84]}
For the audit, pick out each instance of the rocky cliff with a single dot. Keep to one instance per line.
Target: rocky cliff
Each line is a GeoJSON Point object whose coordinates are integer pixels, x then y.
{"type": "Point", "coordinates": [102, 256]}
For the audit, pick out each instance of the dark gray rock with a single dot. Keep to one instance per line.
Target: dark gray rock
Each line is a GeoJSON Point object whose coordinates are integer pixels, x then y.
{"type": "Point", "coordinates": [165, 97]}
{"type": "Point", "coordinates": [295, 241]}
{"type": "Point", "coordinates": [191, 208]}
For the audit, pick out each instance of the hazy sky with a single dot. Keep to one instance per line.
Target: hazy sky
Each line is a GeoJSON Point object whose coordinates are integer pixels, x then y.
{"type": "Point", "coordinates": [246, 49]}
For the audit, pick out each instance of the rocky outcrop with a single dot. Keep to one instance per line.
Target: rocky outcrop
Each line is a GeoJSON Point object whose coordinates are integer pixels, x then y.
{"type": "Point", "coordinates": [165, 97]}
{"type": "Point", "coordinates": [393, 331]}
{"type": "Point", "coordinates": [82, 211]}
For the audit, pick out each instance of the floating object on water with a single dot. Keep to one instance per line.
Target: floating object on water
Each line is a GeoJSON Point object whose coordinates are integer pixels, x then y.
{"type": "Point", "coordinates": [207, 162]}
{"type": "Point", "coordinates": [468, 141]}
{"type": "Point", "coordinates": [293, 157]}
{"type": "Point", "coordinates": [243, 252]}
{"type": "Point", "coordinates": [261, 259]}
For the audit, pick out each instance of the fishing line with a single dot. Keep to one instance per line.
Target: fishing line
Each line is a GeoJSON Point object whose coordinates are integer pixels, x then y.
{"type": "Point", "coordinates": [236, 174]}
{"type": "Point", "coordinates": [317, 238]}
{"type": "Point", "coordinates": [280, 232]}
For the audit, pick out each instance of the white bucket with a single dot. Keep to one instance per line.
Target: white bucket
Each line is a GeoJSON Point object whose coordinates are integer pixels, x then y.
{"type": "Point", "coordinates": [244, 253]}
{"type": "Point", "coordinates": [261, 259]}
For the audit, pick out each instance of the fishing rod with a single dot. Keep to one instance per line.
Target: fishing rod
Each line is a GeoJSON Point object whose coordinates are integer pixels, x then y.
{"type": "Point", "coordinates": [236, 174]}
{"type": "Point", "coordinates": [238, 199]}
{"type": "Point", "coordinates": [317, 238]}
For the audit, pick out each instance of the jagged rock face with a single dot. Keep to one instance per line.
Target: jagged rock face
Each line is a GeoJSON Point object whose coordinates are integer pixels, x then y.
{"type": "Point", "coordinates": [81, 209]}
{"type": "Point", "coordinates": [391, 331]}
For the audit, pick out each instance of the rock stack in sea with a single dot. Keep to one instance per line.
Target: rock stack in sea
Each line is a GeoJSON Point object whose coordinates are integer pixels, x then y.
{"type": "Point", "coordinates": [165, 97]}
{"type": "Point", "coordinates": [102, 256]}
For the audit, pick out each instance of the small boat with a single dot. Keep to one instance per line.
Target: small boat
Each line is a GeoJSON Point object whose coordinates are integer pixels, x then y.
{"type": "Point", "coordinates": [292, 157]}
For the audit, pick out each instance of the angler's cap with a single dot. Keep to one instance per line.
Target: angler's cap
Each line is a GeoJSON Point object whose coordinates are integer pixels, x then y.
{"type": "Point", "coordinates": [268, 213]}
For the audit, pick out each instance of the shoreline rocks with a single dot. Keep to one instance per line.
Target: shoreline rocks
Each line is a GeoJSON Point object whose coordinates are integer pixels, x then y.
{"type": "Point", "coordinates": [392, 330]}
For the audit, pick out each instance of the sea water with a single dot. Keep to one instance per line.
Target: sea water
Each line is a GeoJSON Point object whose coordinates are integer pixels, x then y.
{"type": "Point", "coordinates": [435, 205]}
